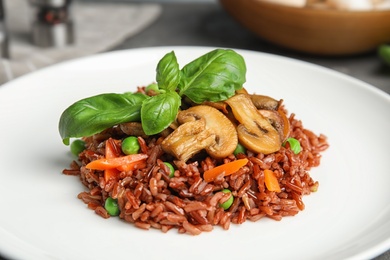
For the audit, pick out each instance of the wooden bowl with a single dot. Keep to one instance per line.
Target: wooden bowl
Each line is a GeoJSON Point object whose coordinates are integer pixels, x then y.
{"type": "Point", "coordinates": [313, 30]}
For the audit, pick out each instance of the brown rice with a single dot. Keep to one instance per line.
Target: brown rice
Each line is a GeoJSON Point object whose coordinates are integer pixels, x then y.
{"type": "Point", "coordinates": [148, 198]}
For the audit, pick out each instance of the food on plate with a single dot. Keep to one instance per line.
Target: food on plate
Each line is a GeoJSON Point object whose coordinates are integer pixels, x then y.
{"type": "Point", "coordinates": [192, 151]}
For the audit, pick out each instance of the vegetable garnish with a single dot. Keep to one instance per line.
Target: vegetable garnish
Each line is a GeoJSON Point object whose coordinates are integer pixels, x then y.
{"type": "Point", "coordinates": [226, 205]}
{"type": "Point", "coordinates": [110, 152]}
{"type": "Point", "coordinates": [77, 146]}
{"type": "Point", "coordinates": [112, 163]}
{"type": "Point", "coordinates": [130, 145]}
{"type": "Point", "coordinates": [132, 166]}
{"type": "Point", "coordinates": [239, 149]}
{"type": "Point", "coordinates": [111, 205]}
{"type": "Point", "coordinates": [271, 182]}
{"type": "Point", "coordinates": [171, 169]}
{"type": "Point", "coordinates": [227, 168]}
{"type": "Point", "coordinates": [94, 114]}
{"type": "Point", "coordinates": [294, 145]}
{"type": "Point", "coordinates": [214, 77]}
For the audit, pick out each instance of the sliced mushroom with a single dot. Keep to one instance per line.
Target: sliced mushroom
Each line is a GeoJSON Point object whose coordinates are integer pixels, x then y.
{"type": "Point", "coordinates": [202, 127]}
{"type": "Point", "coordinates": [221, 106]}
{"type": "Point", "coordinates": [261, 101]}
{"type": "Point", "coordinates": [286, 123]}
{"type": "Point", "coordinates": [242, 91]}
{"type": "Point", "coordinates": [275, 120]}
{"type": "Point", "coordinates": [264, 102]}
{"type": "Point", "coordinates": [187, 140]}
{"type": "Point", "coordinates": [254, 132]}
{"type": "Point", "coordinates": [133, 128]}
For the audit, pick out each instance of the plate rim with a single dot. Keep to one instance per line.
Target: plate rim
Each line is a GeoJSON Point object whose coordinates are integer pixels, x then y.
{"type": "Point", "coordinates": [380, 93]}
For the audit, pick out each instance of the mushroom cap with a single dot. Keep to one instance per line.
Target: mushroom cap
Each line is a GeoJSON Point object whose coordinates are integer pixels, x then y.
{"type": "Point", "coordinates": [264, 102]}
{"type": "Point", "coordinates": [275, 119]}
{"type": "Point", "coordinates": [133, 128]}
{"type": "Point", "coordinates": [187, 140]}
{"type": "Point", "coordinates": [255, 132]}
{"type": "Point", "coordinates": [201, 127]}
{"type": "Point", "coordinates": [218, 125]}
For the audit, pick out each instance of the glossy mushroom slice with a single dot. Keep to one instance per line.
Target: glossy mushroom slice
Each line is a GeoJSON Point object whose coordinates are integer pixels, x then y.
{"type": "Point", "coordinates": [261, 101]}
{"type": "Point", "coordinates": [255, 132]}
{"type": "Point", "coordinates": [276, 120]}
{"type": "Point", "coordinates": [202, 127]}
{"type": "Point", "coordinates": [133, 128]}
{"type": "Point", "coordinates": [264, 102]}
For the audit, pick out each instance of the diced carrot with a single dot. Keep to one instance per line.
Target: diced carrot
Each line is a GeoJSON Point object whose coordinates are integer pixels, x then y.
{"type": "Point", "coordinates": [271, 182]}
{"type": "Point", "coordinates": [132, 166]}
{"type": "Point", "coordinates": [227, 169]}
{"type": "Point", "coordinates": [111, 174]}
{"type": "Point", "coordinates": [111, 163]}
{"type": "Point", "coordinates": [111, 152]}
{"type": "Point", "coordinates": [112, 149]}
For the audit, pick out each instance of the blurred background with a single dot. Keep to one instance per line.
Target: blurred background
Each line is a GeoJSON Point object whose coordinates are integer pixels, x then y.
{"type": "Point", "coordinates": [84, 27]}
{"type": "Point", "coordinates": [346, 36]}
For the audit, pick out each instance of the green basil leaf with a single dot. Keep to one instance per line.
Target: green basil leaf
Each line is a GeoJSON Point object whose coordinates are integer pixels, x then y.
{"type": "Point", "coordinates": [159, 111]}
{"type": "Point", "coordinates": [168, 72]}
{"type": "Point", "coordinates": [153, 87]}
{"type": "Point", "coordinates": [214, 76]}
{"type": "Point", "coordinates": [94, 114]}
{"type": "Point", "coordinates": [295, 145]}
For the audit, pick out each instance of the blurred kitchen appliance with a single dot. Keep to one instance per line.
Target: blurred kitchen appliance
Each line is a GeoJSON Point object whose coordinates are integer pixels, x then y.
{"type": "Point", "coordinates": [4, 51]}
{"type": "Point", "coordinates": [52, 24]}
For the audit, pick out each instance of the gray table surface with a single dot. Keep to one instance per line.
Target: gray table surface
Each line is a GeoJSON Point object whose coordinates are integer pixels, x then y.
{"type": "Point", "coordinates": [207, 24]}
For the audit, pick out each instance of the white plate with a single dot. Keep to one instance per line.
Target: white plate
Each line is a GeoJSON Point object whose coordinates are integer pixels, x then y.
{"type": "Point", "coordinates": [41, 218]}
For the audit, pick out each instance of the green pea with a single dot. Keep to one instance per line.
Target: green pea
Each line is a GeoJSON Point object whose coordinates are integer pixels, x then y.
{"type": "Point", "coordinates": [239, 149]}
{"type": "Point", "coordinates": [227, 203]}
{"type": "Point", "coordinates": [111, 205]}
{"type": "Point", "coordinates": [130, 145]}
{"type": "Point", "coordinates": [171, 169]}
{"type": "Point", "coordinates": [77, 146]}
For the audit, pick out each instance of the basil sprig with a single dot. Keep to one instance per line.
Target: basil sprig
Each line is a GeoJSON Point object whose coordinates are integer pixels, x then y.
{"type": "Point", "coordinates": [95, 114]}
{"type": "Point", "coordinates": [214, 76]}
{"type": "Point", "coordinates": [168, 72]}
{"type": "Point", "coordinates": [158, 112]}
{"type": "Point", "coordinates": [295, 145]}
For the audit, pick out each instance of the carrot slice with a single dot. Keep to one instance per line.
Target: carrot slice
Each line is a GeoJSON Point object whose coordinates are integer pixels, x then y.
{"type": "Point", "coordinates": [111, 152]}
{"type": "Point", "coordinates": [111, 174]}
{"type": "Point", "coordinates": [112, 148]}
{"type": "Point", "coordinates": [111, 163]}
{"type": "Point", "coordinates": [271, 182]}
{"type": "Point", "coordinates": [132, 166]}
{"type": "Point", "coordinates": [227, 169]}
